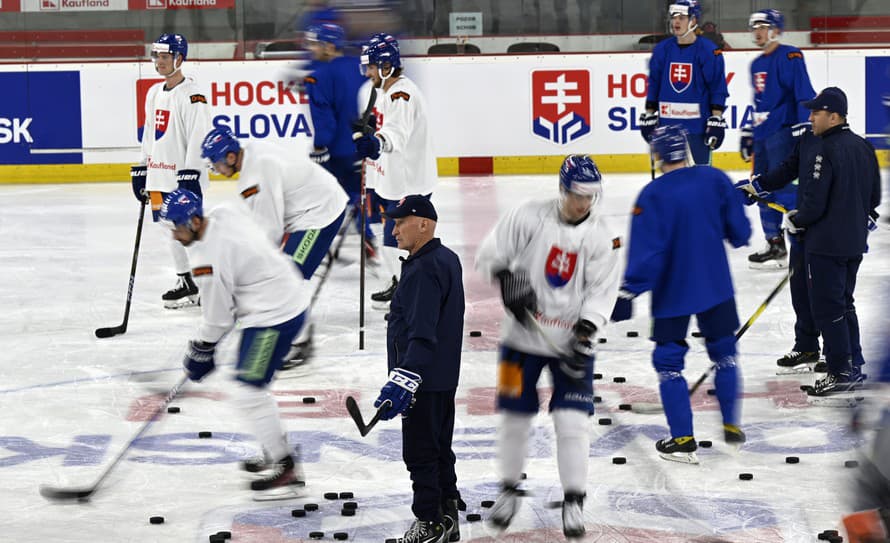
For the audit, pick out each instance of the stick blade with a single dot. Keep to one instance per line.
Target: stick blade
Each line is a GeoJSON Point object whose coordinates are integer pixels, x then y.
{"type": "Point", "coordinates": [356, 414]}
{"type": "Point", "coordinates": [111, 331]}
{"type": "Point", "coordinates": [66, 494]}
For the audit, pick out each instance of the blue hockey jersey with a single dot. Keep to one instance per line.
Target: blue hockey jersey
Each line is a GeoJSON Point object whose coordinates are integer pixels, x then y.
{"type": "Point", "coordinates": [333, 97]}
{"type": "Point", "coordinates": [676, 249]}
{"type": "Point", "coordinates": [685, 81]}
{"type": "Point", "coordinates": [780, 81]}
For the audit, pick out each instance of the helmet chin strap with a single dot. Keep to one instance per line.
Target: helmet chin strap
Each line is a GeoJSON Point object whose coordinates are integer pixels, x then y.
{"type": "Point", "coordinates": [383, 78]}
{"type": "Point", "coordinates": [175, 67]}
{"type": "Point", "coordinates": [689, 29]}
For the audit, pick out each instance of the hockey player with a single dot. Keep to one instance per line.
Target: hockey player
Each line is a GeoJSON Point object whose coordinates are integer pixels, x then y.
{"type": "Point", "coordinates": [559, 260]}
{"type": "Point", "coordinates": [298, 204]}
{"type": "Point", "coordinates": [680, 221]}
{"type": "Point", "coordinates": [780, 80]}
{"type": "Point", "coordinates": [332, 89]}
{"type": "Point", "coordinates": [176, 118]}
{"type": "Point", "coordinates": [423, 348]}
{"type": "Point", "coordinates": [687, 84]}
{"type": "Point", "coordinates": [243, 277]}
{"type": "Point", "coordinates": [400, 152]}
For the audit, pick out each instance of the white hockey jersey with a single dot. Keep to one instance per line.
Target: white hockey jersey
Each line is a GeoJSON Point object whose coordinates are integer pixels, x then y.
{"type": "Point", "coordinates": [176, 122]}
{"type": "Point", "coordinates": [242, 276]}
{"type": "Point", "coordinates": [575, 271]}
{"type": "Point", "coordinates": [410, 166]}
{"type": "Point", "coordinates": [288, 193]}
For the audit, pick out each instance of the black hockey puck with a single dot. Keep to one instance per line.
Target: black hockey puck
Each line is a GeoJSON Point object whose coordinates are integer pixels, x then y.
{"type": "Point", "coordinates": [746, 476]}
{"type": "Point", "coordinates": [346, 495]}
{"type": "Point", "coordinates": [792, 460]}
{"type": "Point", "coordinates": [523, 476]}
{"type": "Point", "coordinates": [475, 333]}
{"type": "Point", "coordinates": [835, 539]}
{"type": "Point", "coordinates": [316, 535]}
{"type": "Point", "coordinates": [553, 505]}
{"type": "Point", "coordinates": [298, 513]}
{"type": "Point", "coordinates": [704, 443]}
{"type": "Point", "coordinates": [619, 460]}
{"type": "Point", "coordinates": [806, 388]}
{"type": "Point", "coordinates": [156, 520]}
{"type": "Point", "coordinates": [712, 392]}
{"type": "Point", "coordinates": [487, 503]}
{"type": "Point", "coordinates": [308, 399]}
{"type": "Point", "coordinates": [825, 534]}
{"type": "Point", "coordinates": [216, 538]}
{"type": "Point", "coordinates": [473, 517]}
{"type": "Point", "coordinates": [597, 399]}
{"type": "Point", "coordinates": [310, 506]}
{"type": "Point", "coordinates": [172, 409]}
{"type": "Point", "coordinates": [633, 333]}
{"type": "Point", "coordinates": [391, 540]}
{"type": "Point", "coordinates": [851, 464]}
{"type": "Point", "coordinates": [601, 340]}
{"type": "Point", "coordinates": [205, 435]}
{"type": "Point", "coordinates": [605, 421]}
{"type": "Point", "coordinates": [697, 334]}
{"type": "Point", "coordinates": [350, 505]}
{"type": "Point", "coordinates": [225, 534]}
{"type": "Point", "coordinates": [341, 536]}
{"type": "Point", "coordinates": [597, 376]}
{"type": "Point", "coordinates": [331, 495]}
{"type": "Point", "coordinates": [618, 379]}
{"type": "Point", "coordinates": [625, 406]}
{"type": "Point", "coordinates": [347, 512]}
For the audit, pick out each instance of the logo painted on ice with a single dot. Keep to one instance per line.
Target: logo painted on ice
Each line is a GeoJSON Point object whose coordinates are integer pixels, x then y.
{"type": "Point", "coordinates": [560, 266]}
{"type": "Point", "coordinates": [561, 105]}
{"type": "Point", "coordinates": [759, 81]}
{"type": "Point", "coordinates": [681, 75]}
{"type": "Point", "coordinates": [162, 117]}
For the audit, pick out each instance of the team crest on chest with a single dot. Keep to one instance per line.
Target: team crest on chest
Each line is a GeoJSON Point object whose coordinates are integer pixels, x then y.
{"type": "Point", "coordinates": [162, 118]}
{"type": "Point", "coordinates": [680, 75]}
{"type": "Point", "coordinates": [560, 266]}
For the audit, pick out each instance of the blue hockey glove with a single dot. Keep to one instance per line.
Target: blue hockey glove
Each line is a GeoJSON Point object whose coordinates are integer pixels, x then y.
{"type": "Point", "coordinates": [788, 223]}
{"type": "Point", "coordinates": [399, 390]}
{"type": "Point", "coordinates": [648, 122]}
{"type": "Point", "coordinates": [199, 359]}
{"type": "Point", "coordinates": [751, 187]}
{"type": "Point", "coordinates": [715, 130]}
{"type": "Point", "coordinates": [320, 155]}
{"type": "Point", "coordinates": [367, 145]}
{"type": "Point", "coordinates": [188, 180]}
{"type": "Point", "coordinates": [624, 306]}
{"type": "Point", "coordinates": [517, 294]}
{"type": "Point", "coordinates": [800, 129]}
{"type": "Point", "coordinates": [746, 145]}
{"type": "Point", "coordinates": [137, 178]}
{"type": "Point", "coordinates": [582, 351]}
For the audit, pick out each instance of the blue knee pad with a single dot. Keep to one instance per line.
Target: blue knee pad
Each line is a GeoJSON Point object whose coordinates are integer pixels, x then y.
{"type": "Point", "coordinates": [668, 361]}
{"type": "Point", "coordinates": [669, 356]}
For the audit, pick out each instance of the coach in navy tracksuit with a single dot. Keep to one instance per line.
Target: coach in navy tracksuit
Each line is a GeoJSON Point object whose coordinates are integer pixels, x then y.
{"type": "Point", "coordinates": [842, 187]}
{"type": "Point", "coordinates": [423, 344]}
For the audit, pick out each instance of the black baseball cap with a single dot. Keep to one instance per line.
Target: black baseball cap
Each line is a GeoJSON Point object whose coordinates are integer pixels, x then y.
{"type": "Point", "coordinates": [831, 99]}
{"type": "Point", "coordinates": [414, 204]}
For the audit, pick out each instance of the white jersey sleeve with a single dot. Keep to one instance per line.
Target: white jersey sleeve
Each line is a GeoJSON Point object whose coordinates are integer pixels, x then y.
{"type": "Point", "coordinates": [242, 276]}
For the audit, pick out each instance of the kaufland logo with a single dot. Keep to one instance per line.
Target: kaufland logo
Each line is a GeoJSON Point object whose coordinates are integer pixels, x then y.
{"type": "Point", "coordinates": [156, 4]}
{"type": "Point", "coordinates": [561, 105]}
{"type": "Point", "coordinates": [49, 5]}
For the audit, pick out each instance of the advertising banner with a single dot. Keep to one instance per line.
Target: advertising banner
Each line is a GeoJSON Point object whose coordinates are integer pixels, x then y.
{"type": "Point", "coordinates": [72, 5]}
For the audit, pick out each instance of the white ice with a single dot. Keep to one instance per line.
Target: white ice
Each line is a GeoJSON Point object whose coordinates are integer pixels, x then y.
{"type": "Point", "coordinates": [71, 401]}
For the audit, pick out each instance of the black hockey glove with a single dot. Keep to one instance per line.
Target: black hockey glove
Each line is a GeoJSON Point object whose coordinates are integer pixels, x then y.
{"type": "Point", "coordinates": [137, 178]}
{"type": "Point", "coordinates": [517, 294]}
{"type": "Point", "coordinates": [582, 351]}
{"type": "Point", "coordinates": [189, 180]}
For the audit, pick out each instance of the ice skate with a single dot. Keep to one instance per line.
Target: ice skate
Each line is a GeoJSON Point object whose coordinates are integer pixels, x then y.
{"type": "Point", "coordinates": [184, 294]}
{"type": "Point", "coordinates": [300, 352]}
{"type": "Point", "coordinates": [573, 515]}
{"type": "Point", "coordinates": [797, 362]}
{"type": "Point", "coordinates": [734, 436]}
{"type": "Point", "coordinates": [505, 507]}
{"type": "Point", "coordinates": [382, 298]}
{"type": "Point", "coordinates": [678, 449]}
{"type": "Point", "coordinates": [425, 531]}
{"type": "Point", "coordinates": [451, 519]}
{"type": "Point", "coordinates": [771, 257]}
{"type": "Point", "coordinates": [280, 482]}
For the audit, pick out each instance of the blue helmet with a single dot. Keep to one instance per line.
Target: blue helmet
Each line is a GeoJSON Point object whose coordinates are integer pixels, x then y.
{"type": "Point", "coordinates": [180, 206]}
{"type": "Point", "coordinates": [382, 49]}
{"type": "Point", "coordinates": [669, 143]}
{"type": "Point", "coordinates": [692, 8]}
{"type": "Point", "coordinates": [175, 44]}
{"type": "Point", "coordinates": [579, 175]}
{"type": "Point", "coordinates": [326, 33]}
{"type": "Point", "coordinates": [768, 17]}
{"type": "Point", "coordinates": [218, 143]}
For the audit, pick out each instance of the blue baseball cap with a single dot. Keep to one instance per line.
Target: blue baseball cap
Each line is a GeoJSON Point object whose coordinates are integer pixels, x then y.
{"type": "Point", "coordinates": [831, 99]}
{"type": "Point", "coordinates": [414, 204]}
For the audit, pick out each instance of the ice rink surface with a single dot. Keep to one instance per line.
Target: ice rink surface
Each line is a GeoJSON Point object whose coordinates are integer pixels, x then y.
{"type": "Point", "coordinates": [71, 401]}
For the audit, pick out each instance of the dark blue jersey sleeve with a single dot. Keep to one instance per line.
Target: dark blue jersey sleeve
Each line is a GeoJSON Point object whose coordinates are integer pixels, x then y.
{"type": "Point", "coordinates": [803, 89]}
{"type": "Point", "coordinates": [783, 174]}
{"type": "Point", "coordinates": [648, 246]}
{"type": "Point", "coordinates": [656, 69]}
{"type": "Point", "coordinates": [714, 69]}
{"type": "Point", "coordinates": [737, 226]}
{"type": "Point", "coordinates": [319, 89]}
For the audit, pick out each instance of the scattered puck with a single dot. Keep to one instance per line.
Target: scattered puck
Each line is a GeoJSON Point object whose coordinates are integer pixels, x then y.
{"type": "Point", "coordinates": [554, 505]}
{"type": "Point", "coordinates": [308, 399]}
{"type": "Point", "coordinates": [310, 506]}
{"type": "Point", "coordinates": [604, 421]}
{"type": "Point", "coordinates": [826, 534]}
{"type": "Point", "coordinates": [696, 334]}
{"type": "Point", "coordinates": [746, 476]}
{"type": "Point", "coordinates": [341, 536]}
{"type": "Point", "coordinates": [619, 460]}
{"type": "Point", "coordinates": [597, 376]}
{"type": "Point", "coordinates": [391, 540]}
{"type": "Point", "coordinates": [475, 333]}
{"type": "Point", "coordinates": [704, 443]}
{"type": "Point", "coordinates": [172, 409]}
{"type": "Point", "coordinates": [316, 535]}
{"type": "Point", "coordinates": [350, 505]}
{"type": "Point", "coordinates": [806, 387]}
{"type": "Point", "coordinates": [601, 340]}
{"type": "Point", "coordinates": [156, 520]}
{"type": "Point", "coordinates": [487, 503]}
{"type": "Point", "coordinates": [225, 534]}
{"type": "Point", "coordinates": [347, 512]}
{"type": "Point", "coordinates": [597, 399]}
{"type": "Point", "coordinates": [618, 379]}
{"type": "Point", "coordinates": [346, 495]}
{"type": "Point", "coordinates": [712, 392]}
{"type": "Point", "coordinates": [205, 435]}
{"type": "Point", "coordinates": [851, 464]}
{"type": "Point", "coordinates": [523, 476]}
{"type": "Point", "coordinates": [624, 407]}
{"type": "Point", "coordinates": [216, 538]}
{"type": "Point", "coordinates": [633, 333]}
{"type": "Point", "coordinates": [471, 517]}
{"type": "Point", "coordinates": [792, 460]}
{"type": "Point", "coordinates": [331, 495]}
{"type": "Point", "coordinates": [298, 513]}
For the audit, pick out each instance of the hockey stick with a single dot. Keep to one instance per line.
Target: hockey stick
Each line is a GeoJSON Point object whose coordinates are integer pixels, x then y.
{"type": "Point", "coordinates": [84, 493]}
{"type": "Point", "coordinates": [651, 408]}
{"type": "Point", "coordinates": [356, 414]}
{"type": "Point", "coordinates": [122, 327]}
{"type": "Point", "coordinates": [364, 202]}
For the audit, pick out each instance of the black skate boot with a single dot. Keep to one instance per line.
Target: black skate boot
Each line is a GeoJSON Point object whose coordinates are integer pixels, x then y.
{"type": "Point", "coordinates": [821, 367]}
{"type": "Point", "coordinates": [184, 294]}
{"type": "Point", "coordinates": [833, 383]}
{"type": "Point", "coordinates": [300, 352]}
{"type": "Point", "coordinates": [573, 515]}
{"type": "Point", "coordinates": [796, 358]}
{"type": "Point", "coordinates": [678, 449]}
{"type": "Point", "coordinates": [505, 507]}
{"type": "Point", "coordinates": [281, 481]}
{"type": "Point", "coordinates": [450, 518]}
{"type": "Point", "coordinates": [385, 295]}
{"type": "Point", "coordinates": [425, 531]}
{"type": "Point", "coordinates": [733, 435]}
{"type": "Point", "coordinates": [772, 257]}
